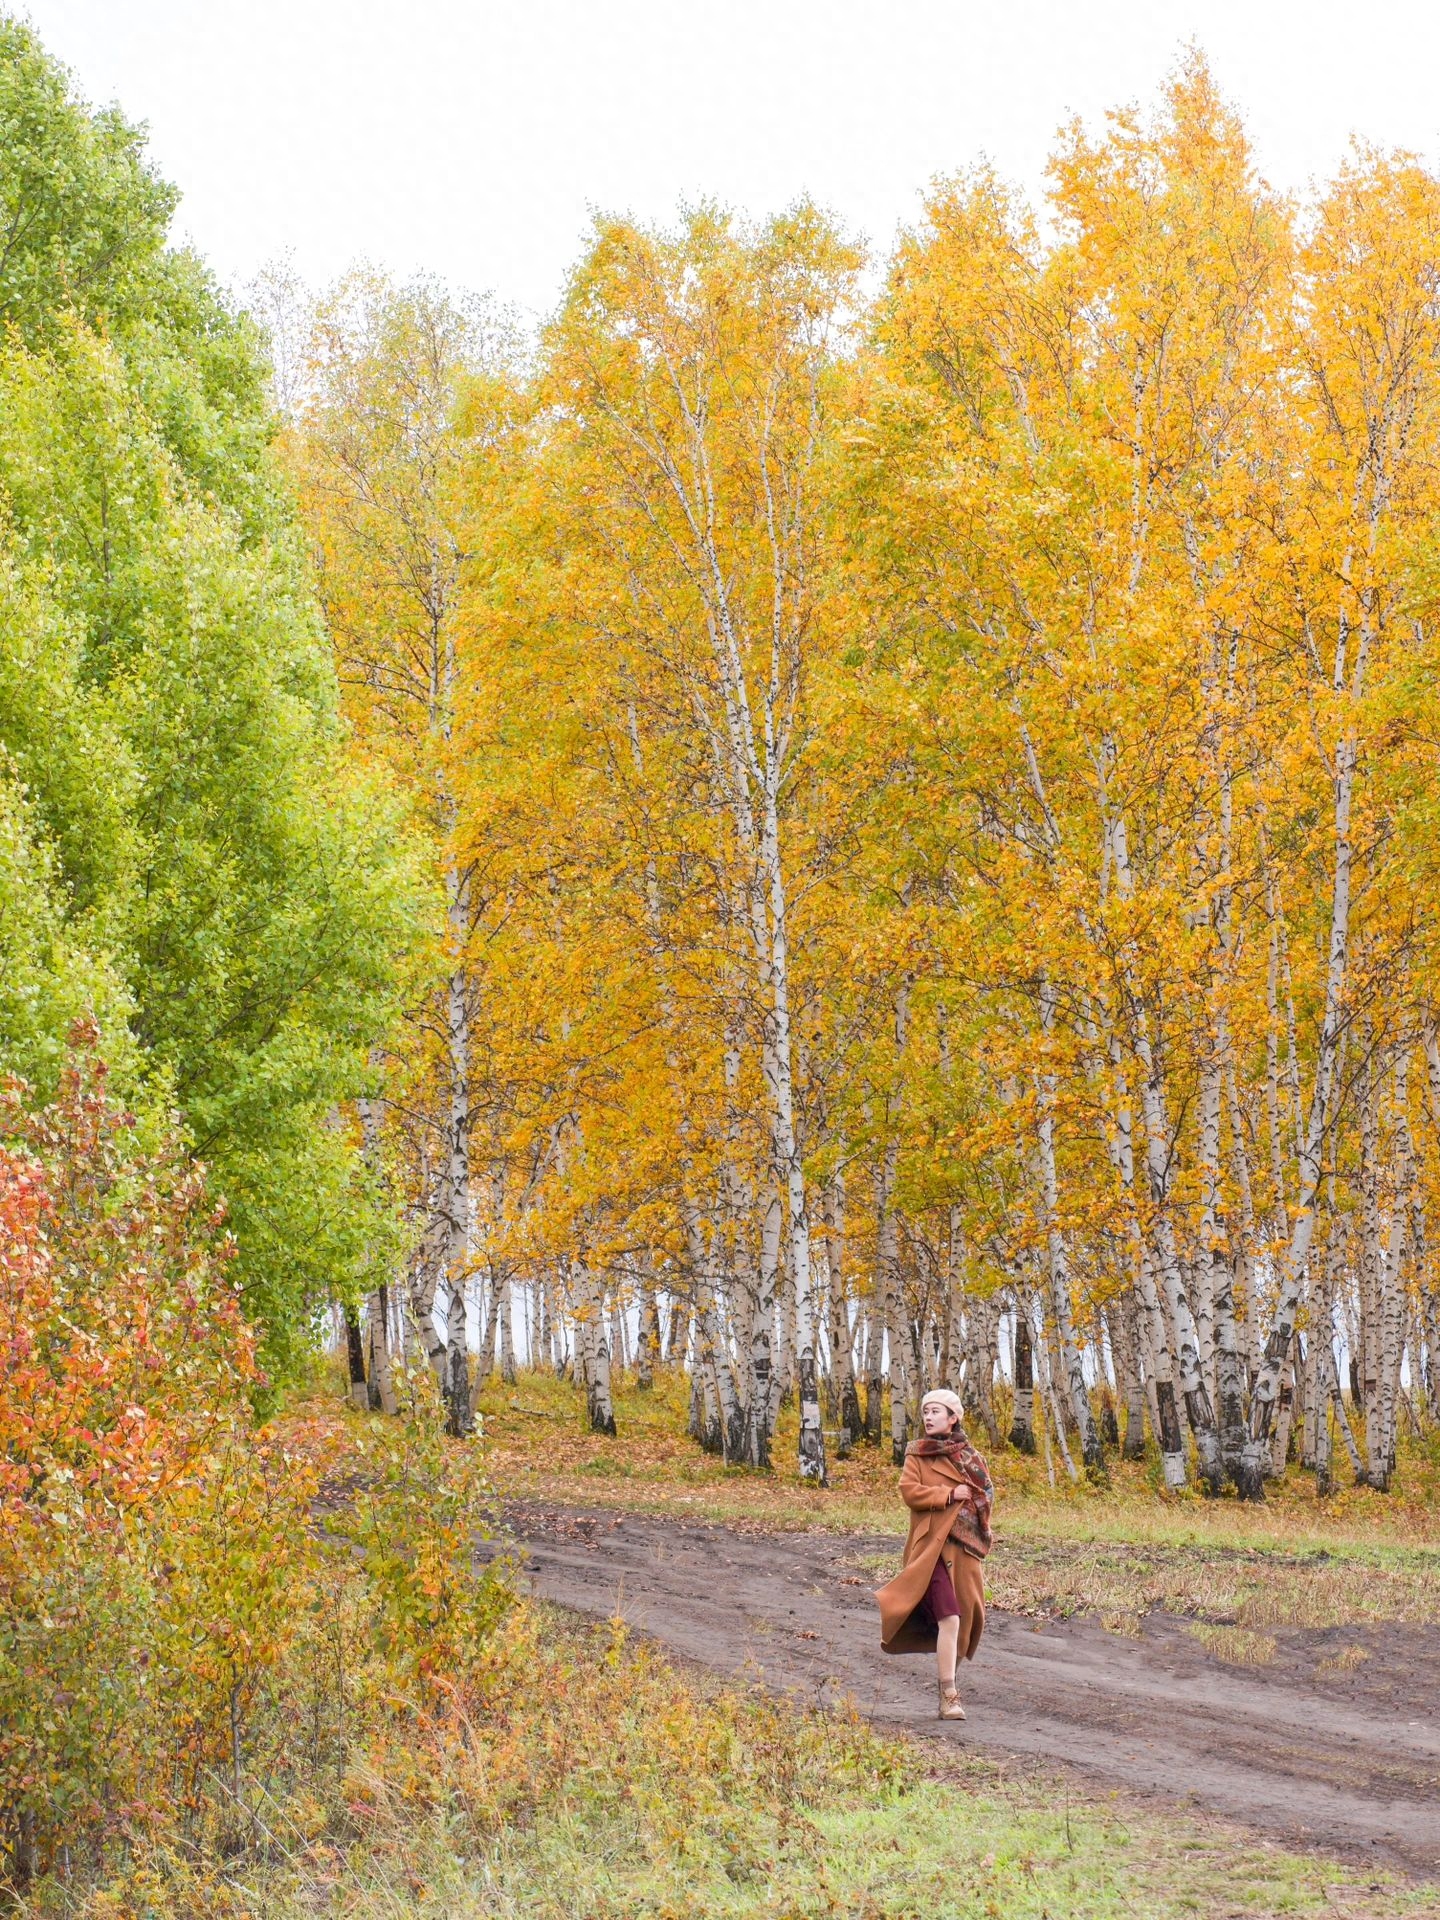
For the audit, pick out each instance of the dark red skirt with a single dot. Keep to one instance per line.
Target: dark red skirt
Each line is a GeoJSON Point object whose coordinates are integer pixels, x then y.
{"type": "Point", "coordinates": [940, 1602]}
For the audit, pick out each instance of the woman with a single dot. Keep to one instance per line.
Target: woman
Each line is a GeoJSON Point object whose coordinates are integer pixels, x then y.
{"type": "Point", "coordinates": [938, 1598]}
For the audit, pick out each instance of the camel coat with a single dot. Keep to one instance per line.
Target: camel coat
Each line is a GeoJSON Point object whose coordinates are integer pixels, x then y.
{"type": "Point", "coordinates": [925, 1488]}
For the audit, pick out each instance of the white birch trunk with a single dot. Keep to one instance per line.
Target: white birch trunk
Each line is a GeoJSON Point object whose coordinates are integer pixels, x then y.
{"type": "Point", "coordinates": [1157, 1162]}
{"type": "Point", "coordinates": [599, 1404]}
{"type": "Point", "coordinates": [454, 1375]}
{"type": "Point", "coordinates": [382, 1397]}
{"type": "Point", "coordinates": [1050, 1403]}
{"type": "Point", "coordinates": [842, 1345]}
{"type": "Point", "coordinates": [729, 1434]}
{"type": "Point", "coordinates": [1215, 1257]}
{"type": "Point", "coordinates": [887, 1261]}
{"type": "Point", "coordinates": [505, 1312]}
{"type": "Point", "coordinates": [981, 1340]}
{"type": "Point", "coordinates": [1392, 1304]}
{"type": "Point", "coordinates": [1132, 1382]}
{"type": "Point", "coordinates": [1161, 1371]}
{"type": "Point", "coordinates": [1267, 1383]}
{"type": "Point", "coordinates": [789, 1165]}
{"type": "Point", "coordinates": [1347, 682]}
{"type": "Point", "coordinates": [1022, 1430]}
{"type": "Point", "coordinates": [425, 1287]}
{"type": "Point", "coordinates": [1057, 1259]}
{"type": "Point", "coordinates": [647, 1349]}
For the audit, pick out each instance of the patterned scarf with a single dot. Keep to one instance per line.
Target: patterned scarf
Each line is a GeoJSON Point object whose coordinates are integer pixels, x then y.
{"type": "Point", "coordinates": [971, 1526]}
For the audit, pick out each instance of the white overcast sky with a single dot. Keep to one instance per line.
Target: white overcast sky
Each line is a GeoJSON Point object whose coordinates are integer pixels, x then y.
{"type": "Point", "coordinates": [468, 138]}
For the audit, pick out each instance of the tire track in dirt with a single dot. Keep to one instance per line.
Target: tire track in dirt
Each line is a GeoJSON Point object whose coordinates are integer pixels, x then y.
{"type": "Point", "coordinates": [1347, 1764]}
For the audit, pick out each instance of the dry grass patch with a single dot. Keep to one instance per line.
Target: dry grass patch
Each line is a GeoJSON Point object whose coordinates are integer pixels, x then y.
{"type": "Point", "coordinates": [1251, 1589]}
{"type": "Point", "coordinates": [1125, 1624]}
{"type": "Point", "coordinates": [1236, 1646]}
{"type": "Point", "coordinates": [1249, 1593]}
{"type": "Point", "coordinates": [1345, 1661]}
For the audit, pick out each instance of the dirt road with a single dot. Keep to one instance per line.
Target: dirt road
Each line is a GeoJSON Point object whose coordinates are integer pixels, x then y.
{"type": "Point", "coordinates": [1347, 1761]}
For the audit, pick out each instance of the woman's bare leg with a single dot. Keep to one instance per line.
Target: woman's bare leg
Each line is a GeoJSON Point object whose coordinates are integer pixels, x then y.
{"type": "Point", "coordinates": [947, 1646]}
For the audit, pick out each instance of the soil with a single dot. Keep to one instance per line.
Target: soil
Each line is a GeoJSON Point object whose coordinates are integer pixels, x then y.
{"type": "Point", "coordinates": [1343, 1761]}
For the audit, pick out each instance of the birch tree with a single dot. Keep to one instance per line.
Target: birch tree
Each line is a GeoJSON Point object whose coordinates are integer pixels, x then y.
{"type": "Point", "coordinates": [692, 372]}
{"type": "Point", "coordinates": [378, 452]}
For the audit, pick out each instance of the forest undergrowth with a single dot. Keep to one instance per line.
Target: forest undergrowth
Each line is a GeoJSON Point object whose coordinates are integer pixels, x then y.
{"type": "Point", "coordinates": [421, 1740]}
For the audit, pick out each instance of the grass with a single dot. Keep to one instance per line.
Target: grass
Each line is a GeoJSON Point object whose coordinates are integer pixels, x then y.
{"type": "Point", "coordinates": [538, 1443]}
{"type": "Point", "coordinates": [589, 1779]}
{"type": "Point", "coordinates": [1249, 1589]}
{"type": "Point", "coordinates": [1356, 1558]}
{"type": "Point", "coordinates": [1346, 1660]}
{"type": "Point", "coordinates": [1236, 1646]}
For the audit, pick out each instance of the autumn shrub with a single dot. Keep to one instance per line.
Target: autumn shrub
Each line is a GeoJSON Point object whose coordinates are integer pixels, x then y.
{"type": "Point", "coordinates": [124, 1369]}
{"type": "Point", "coordinates": [179, 1615]}
{"type": "Point", "coordinates": [409, 1505]}
{"type": "Point", "coordinates": [565, 1748]}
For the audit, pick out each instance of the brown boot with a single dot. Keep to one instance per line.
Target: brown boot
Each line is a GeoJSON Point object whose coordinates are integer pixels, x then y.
{"type": "Point", "coordinates": [950, 1707]}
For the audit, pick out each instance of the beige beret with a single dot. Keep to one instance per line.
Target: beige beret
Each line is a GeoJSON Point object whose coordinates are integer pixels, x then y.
{"type": "Point", "coordinates": [943, 1397]}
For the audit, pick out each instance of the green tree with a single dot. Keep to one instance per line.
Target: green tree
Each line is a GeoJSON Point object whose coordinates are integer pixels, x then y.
{"type": "Point", "coordinates": [186, 843]}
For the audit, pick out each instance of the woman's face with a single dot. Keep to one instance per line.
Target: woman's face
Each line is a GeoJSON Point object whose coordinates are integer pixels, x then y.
{"type": "Point", "coordinates": [938, 1419]}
